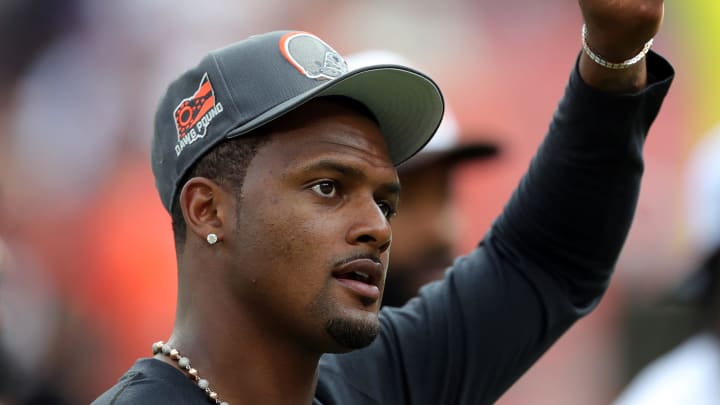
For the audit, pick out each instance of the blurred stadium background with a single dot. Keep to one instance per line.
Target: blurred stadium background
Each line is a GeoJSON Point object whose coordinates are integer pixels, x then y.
{"type": "Point", "coordinates": [87, 268]}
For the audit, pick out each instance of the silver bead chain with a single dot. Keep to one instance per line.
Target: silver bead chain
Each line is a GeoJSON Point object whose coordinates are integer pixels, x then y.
{"type": "Point", "coordinates": [183, 362]}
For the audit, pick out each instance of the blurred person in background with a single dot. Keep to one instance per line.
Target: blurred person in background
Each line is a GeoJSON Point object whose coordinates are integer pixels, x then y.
{"type": "Point", "coordinates": [6, 377]}
{"type": "Point", "coordinates": [426, 230]}
{"type": "Point", "coordinates": [690, 373]}
{"type": "Point", "coordinates": [257, 313]}
{"type": "Point", "coordinates": [33, 352]}
{"type": "Point", "coordinates": [26, 28]}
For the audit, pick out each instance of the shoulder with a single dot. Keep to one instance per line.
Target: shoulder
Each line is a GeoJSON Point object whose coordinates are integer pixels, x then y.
{"type": "Point", "coordinates": [337, 385]}
{"type": "Point", "coordinates": [151, 381]}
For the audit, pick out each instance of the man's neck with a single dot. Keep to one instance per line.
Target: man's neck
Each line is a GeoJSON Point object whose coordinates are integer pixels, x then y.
{"type": "Point", "coordinates": [241, 371]}
{"type": "Point", "coordinates": [243, 361]}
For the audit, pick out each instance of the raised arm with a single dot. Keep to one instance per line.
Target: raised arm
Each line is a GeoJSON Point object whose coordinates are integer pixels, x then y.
{"type": "Point", "coordinates": [548, 258]}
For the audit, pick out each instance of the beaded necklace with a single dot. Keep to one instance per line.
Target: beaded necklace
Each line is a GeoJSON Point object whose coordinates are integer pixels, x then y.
{"type": "Point", "coordinates": [183, 362]}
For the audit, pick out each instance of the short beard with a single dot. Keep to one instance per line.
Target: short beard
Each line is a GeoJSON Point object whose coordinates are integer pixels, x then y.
{"type": "Point", "coordinates": [348, 333]}
{"type": "Point", "coordinates": [352, 334]}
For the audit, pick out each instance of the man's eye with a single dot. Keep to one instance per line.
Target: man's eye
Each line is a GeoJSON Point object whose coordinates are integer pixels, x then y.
{"type": "Point", "coordinates": [325, 189]}
{"type": "Point", "coordinates": [387, 209]}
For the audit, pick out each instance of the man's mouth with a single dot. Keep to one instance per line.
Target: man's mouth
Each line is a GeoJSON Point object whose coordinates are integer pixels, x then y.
{"type": "Point", "coordinates": [357, 276]}
{"type": "Point", "coordinates": [362, 275]}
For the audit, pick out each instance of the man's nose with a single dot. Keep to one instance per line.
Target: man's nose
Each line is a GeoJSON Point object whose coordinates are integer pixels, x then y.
{"type": "Point", "coordinates": [370, 226]}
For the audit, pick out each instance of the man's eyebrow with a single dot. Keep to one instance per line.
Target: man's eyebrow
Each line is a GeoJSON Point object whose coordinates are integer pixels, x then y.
{"type": "Point", "coordinates": [348, 171]}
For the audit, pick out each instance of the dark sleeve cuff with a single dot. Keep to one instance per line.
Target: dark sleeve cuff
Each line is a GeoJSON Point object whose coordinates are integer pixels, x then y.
{"type": "Point", "coordinates": [660, 76]}
{"type": "Point", "coordinates": [593, 106]}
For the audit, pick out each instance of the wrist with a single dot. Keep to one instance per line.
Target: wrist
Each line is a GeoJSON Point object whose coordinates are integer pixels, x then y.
{"type": "Point", "coordinates": [616, 59]}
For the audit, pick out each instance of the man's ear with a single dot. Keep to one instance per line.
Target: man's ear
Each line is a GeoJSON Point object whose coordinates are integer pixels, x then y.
{"type": "Point", "coordinates": [201, 202]}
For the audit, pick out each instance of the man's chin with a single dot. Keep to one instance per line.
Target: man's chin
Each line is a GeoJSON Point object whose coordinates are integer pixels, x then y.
{"type": "Point", "coordinates": [352, 334]}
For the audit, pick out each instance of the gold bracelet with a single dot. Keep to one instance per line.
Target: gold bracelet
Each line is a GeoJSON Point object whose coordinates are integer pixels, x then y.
{"type": "Point", "coordinates": [610, 65]}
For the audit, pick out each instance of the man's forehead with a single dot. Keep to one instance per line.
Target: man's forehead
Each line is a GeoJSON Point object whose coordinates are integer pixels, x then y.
{"type": "Point", "coordinates": [320, 107]}
{"type": "Point", "coordinates": [328, 126]}
{"type": "Point", "coordinates": [343, 164]}
{"type": "Point", "coordinates": [334, 146]}
{"type": "Point", "coordinates": [344, 160]}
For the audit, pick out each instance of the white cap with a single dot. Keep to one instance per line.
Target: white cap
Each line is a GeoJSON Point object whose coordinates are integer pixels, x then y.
{"type": "Point", "coordinates": [446, 142]}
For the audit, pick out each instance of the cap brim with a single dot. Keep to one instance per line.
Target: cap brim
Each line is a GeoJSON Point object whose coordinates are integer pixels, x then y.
{"type": "Point", "coordinates": [407, 105]}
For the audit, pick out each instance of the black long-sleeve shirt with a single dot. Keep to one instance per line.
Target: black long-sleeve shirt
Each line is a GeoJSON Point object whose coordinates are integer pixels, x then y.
{"type": "Point", "coordinates": [545, 263]}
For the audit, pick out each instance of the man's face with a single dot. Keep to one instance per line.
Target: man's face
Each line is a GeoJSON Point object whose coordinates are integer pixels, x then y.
{"type": "Point", "coordinates": [312, 238]}
{"type": "Point", "coordinates": [424, 232]}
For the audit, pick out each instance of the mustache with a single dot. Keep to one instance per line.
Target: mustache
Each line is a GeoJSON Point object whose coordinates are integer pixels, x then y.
{"type": "Point", "coordinates": [358, 256]}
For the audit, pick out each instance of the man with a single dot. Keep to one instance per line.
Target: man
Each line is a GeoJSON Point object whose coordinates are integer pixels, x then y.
{"type": "Point", "coordinates": [277, 166]}
{"type": "Point", "coordinates": [426, 232]}
{"type": "Point", "coordinates": [688, 374]}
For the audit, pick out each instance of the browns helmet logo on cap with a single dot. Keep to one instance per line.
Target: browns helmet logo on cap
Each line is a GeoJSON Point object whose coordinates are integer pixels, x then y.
{"type": "Point", "coordinates": [194, 114]}
{"type": "Point", "coordinates": [312, 56]}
